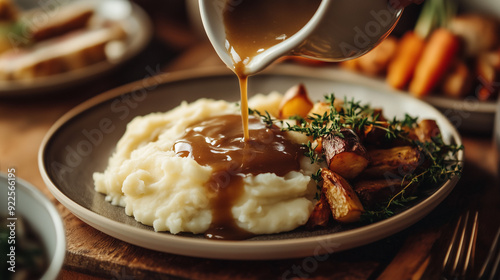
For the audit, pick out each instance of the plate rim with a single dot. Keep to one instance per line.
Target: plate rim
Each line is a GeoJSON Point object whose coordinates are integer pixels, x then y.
{"type": "Point", "coordinates": [246, 249]}
{"type": "Point", "coordinates": [485, 107]}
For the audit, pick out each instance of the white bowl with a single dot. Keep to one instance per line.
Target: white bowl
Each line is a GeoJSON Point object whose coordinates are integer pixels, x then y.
{"type": "Point", "coordinates": [41, 215]}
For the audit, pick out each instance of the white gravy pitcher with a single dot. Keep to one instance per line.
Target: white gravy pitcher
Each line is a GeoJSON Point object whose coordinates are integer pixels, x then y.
{"type": "Point", "coordinates": [338, 30]}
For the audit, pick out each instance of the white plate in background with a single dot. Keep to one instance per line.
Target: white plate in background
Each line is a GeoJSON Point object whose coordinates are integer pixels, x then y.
{"type": "Point", "coordinates": [136, 24]}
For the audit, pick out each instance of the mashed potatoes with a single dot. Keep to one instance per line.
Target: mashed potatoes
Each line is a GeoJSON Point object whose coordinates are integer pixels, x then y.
{"type": "Point", "coordinates": [168, 192]}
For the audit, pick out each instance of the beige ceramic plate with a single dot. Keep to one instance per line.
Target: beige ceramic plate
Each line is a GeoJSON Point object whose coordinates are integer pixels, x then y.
{"type": "Point", "coordinates": [139, 31]}
{"type": "Point", "coordinates": [82, 140]}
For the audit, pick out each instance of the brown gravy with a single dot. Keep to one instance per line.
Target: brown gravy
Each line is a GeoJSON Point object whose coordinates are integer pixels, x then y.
{"type": "Point", "coordinates": [253, 26]}
{"type": "Point", "coordinates": [218, 142]}
{"type": "Point", "coordinates": [236, 146]}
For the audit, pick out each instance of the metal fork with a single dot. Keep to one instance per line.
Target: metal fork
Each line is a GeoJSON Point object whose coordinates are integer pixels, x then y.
{"type": "Point", "coordinates": [459, 258]}
{"type": "Point", "coordinates": [491, 263]}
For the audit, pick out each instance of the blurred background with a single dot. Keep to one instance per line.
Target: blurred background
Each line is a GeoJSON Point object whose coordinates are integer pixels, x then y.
{"type": "Point", "coordinates": [39, 40]}
{"type": "Point", "coordinates": [173, 39]}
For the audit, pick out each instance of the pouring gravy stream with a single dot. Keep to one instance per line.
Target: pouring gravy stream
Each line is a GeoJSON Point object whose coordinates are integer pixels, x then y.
{"type": "Point", "coordinates": [231, 145]}
{"type": "Point", "coordinates": [253, 26]}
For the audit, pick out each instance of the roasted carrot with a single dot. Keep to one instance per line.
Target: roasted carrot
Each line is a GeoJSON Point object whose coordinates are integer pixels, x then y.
{"type": "Point", "coordinates": [438, 55]}
{"type": "Point", "coordinates": [402, 66]}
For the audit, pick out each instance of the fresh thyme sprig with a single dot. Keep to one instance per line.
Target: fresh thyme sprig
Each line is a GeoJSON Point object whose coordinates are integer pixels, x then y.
{"type": "Point", "coordinates": [442, 166]}
{"type": "Point", "coordinates": [312, 153]}
{"type": "Point", "coordinates": [440, 158]}
{"type": "Point", "coordinates": [353, 115]}
{"type": "Point", "coordinates": [317, 177]}
{"type": "Point", "coordinates": [266, 117]}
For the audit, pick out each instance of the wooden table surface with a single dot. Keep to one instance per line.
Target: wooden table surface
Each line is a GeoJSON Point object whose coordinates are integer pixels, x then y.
{"type": "Point", "coordinates": [94, 255]}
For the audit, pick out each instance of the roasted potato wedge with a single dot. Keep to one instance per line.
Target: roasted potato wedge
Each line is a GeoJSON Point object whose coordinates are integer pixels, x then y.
{"type": "Point", "coordinates": [427, 129]}
{"type": "Point", "coordinates": [345, 154]}
{"type": "Point", "coordinates": [374, 136]}
{"type": "Point", "coordinates": [343, 201]}
{"type": "Point", "coordinates": [296, 102]}
{"type": "Point", "coordinates": [373, 192]}
{"type": "Point", "coordinates": [321, 213]}
{"type": "Point", "coordinates": [393, 162]}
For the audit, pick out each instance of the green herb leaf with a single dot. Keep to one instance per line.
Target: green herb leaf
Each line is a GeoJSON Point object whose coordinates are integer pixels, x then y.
{"type": "Point", "coordinates": [440, 158]}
